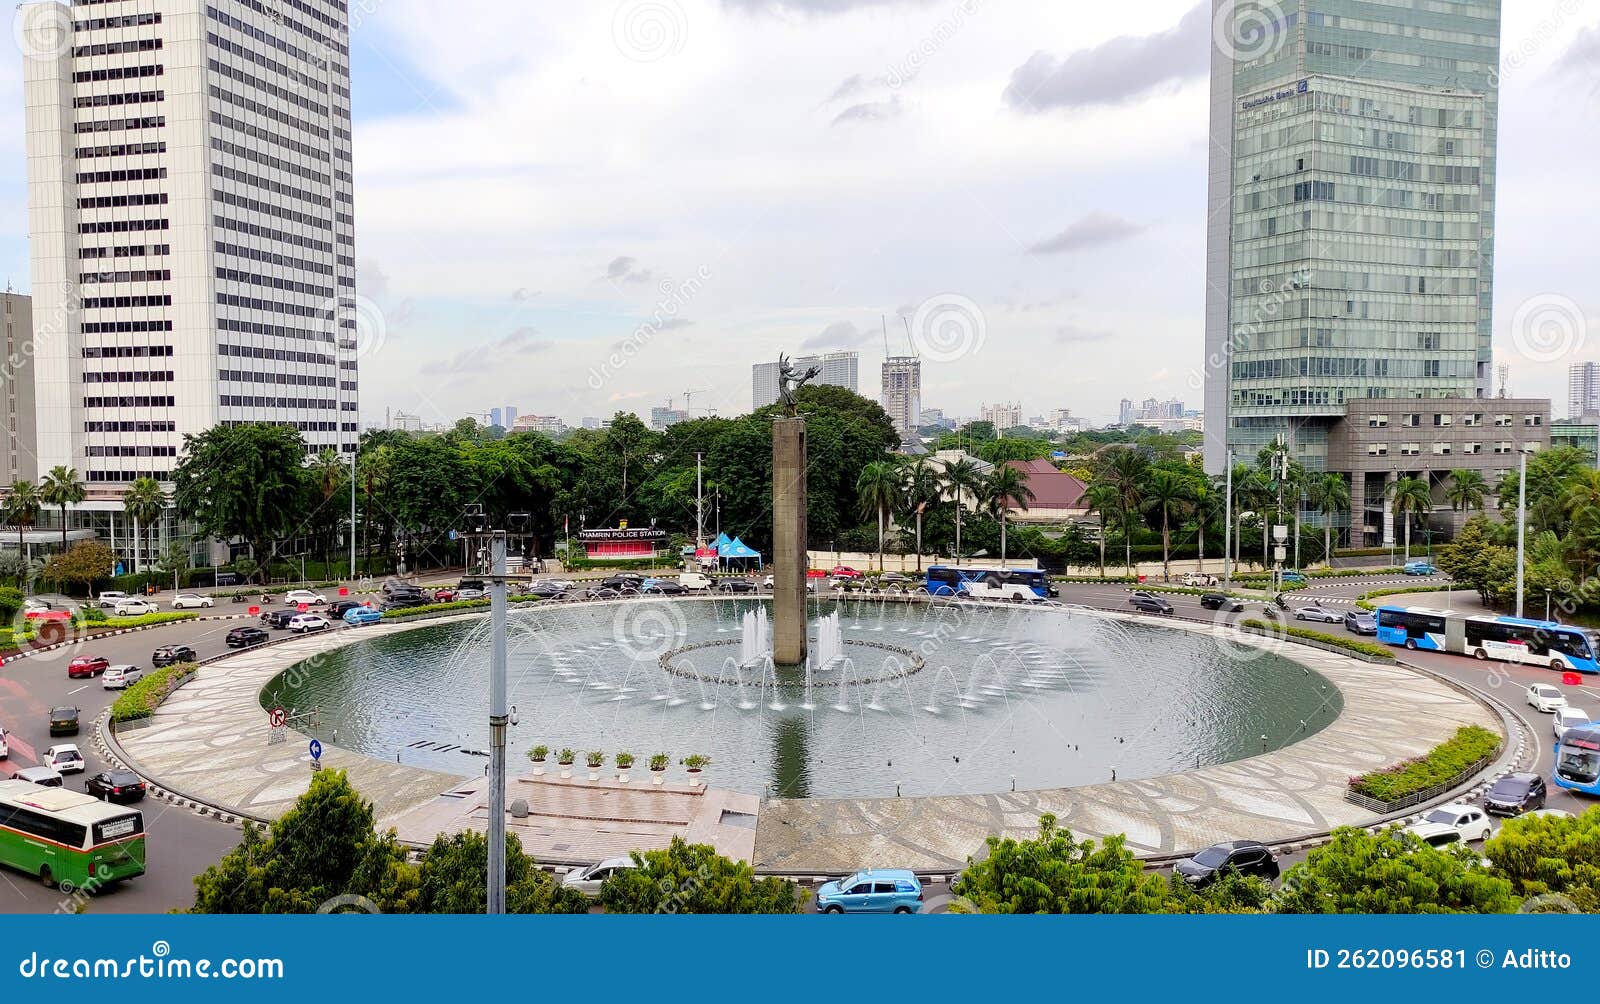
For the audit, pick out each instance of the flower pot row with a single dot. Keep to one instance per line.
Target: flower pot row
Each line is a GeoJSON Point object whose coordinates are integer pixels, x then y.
{"type": "Point", "coordinates": [596, 760]}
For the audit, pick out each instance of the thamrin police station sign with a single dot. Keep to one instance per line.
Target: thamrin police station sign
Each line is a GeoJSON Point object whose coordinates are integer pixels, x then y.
{"type": "Point", "coordinates": [1300, 87]}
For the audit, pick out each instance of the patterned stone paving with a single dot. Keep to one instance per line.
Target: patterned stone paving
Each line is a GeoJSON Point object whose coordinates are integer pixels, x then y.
{"type": "Point", "coordinates": [209, 742]}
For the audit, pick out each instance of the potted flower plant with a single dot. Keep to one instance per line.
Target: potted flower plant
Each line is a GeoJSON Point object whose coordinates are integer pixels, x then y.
{"type": "Point", "coordinates": [658, 767]}
{"type": "Point", "coordinates": [538, 755]}
{"type": "Point", "coordinates": [565, 758]}
{"type": "Point", "coordinates": [695, 763]}
{"type": "Point", "coordinates": [624, 764]}
{"type": "Point", "coordinates": [596, 760]}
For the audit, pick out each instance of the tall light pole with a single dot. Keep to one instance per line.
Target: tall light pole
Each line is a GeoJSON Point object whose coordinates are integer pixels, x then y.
{"type": "Point", "coordinates": [498, 716]}
{"type": "Point", "coordinates": [353, 453]}
{"type": "Point", "coordinates": [1227, 526]}
{"type": "Point", "coordinates": [1522, 526]}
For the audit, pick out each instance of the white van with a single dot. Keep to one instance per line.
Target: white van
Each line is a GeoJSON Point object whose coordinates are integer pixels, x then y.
{"type": "Point", "coordinates": [694, 582]}
{"type": "Point", "coordinates": [1567, 718]}
{"type": "Point", "coordinates": [990, 589]}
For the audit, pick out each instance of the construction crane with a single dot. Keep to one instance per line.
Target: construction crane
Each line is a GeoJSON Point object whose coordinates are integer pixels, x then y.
{"type": "Point", "coordinates": [688, 401]}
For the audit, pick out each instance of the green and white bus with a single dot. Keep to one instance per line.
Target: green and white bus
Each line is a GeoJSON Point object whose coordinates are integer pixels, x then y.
{"type": "Point", "coordinates": [60, 836]}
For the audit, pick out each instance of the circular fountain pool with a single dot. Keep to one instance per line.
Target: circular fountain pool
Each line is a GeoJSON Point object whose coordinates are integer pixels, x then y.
{"type": "Point", "coordinates": [932, 699]}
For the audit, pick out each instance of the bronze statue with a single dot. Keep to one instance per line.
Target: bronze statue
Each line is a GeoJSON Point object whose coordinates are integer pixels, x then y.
{"type": "Point", "coordinates": [791, 380]}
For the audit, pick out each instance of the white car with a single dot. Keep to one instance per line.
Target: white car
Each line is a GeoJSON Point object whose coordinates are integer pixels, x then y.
{"type": "Point", "coordinates": [295, 597]}
{"type": "Point", "coordinates": [306, 623]}
{"type": "Point", "coordinates": [134, 608]}
{"type": "Point", "coordinates": [63, 759]}
{"type": "Point", "coordinates": [187, 601]}
{"type": "Point", "coordinates": [588, 880]}
{"type": "Point", "coordinates": [121, 677]}
{"type": "Point", "coordinates": [1468, 820]}
{"type": "Point", "coordinates": [1543, 697]}
{"type": "Point", "coordinates": [1567, 718]}
{"type": "Point", "coordinates": [5, 751]}
{"type": "Point", "coordinates": [694, 582]}
{"type": "Point", "coordinates": [108, 600]}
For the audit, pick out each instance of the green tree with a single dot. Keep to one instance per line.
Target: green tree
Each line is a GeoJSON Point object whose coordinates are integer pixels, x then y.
{"type": "Point", "coordinates": [1330, 493]}
{"type": "Point", "coordinates": [961, 478]}
{"type": "Point", "coordinates": [1580, 500]}
{"type": "Point", "coordinates": [62, 487]}
{"type": "Point", "coordinates": [1476, 560]}
{"type": "Point", "coordinates": [1127, 470]}
{"type": "Point", "coordinates": [1206, 505]}
{"type": "Point", "coordinates": [1007, 488]}
{"type": "Point", "coordinates": [1550, 856]}
{"type": "Point", "coordinates": [1012, 448]}
{"type": "Point", "coordinates": [1167, 492]}
{"type": "Point", "coordinates": [144, 501]}
{"type": "Point", "coordinates": [922, 490]}
{"type": "Point", "coordinates": [322, 848]}
{"type": "Point", "coordinates": [1105, 502]}
{"type": "Point", "coordinates": [242, 481]}
{"type": "Point", "coordinates": [1410, 497]}
{"type": "Point", "coordinates": [1390, 872]}
{"type": "Point", "coordinates": [694, 879]}
{"type": "Point", "coordinates": [878, 492]}
{"type": "Point", "coordinates": [22, 508]}
{"type": "Point", "coordinates": [1055, 873]}
{"type": "Point", "coordinates": [1467, 490]}
{"type": "Point", "coordinates": [453, 878]}
{"type": "Point", "coordinates": [629, 443]}
{"type": "Point", "coordinates": [83, 564]}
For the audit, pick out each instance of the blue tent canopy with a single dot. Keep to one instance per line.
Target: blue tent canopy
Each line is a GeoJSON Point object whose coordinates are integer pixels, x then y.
{"type": "Point", "coordinates": [736, 550]}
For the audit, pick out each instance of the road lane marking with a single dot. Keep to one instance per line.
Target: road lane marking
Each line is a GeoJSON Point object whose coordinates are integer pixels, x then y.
{"type": "Point", "coordinates": [78, 691]}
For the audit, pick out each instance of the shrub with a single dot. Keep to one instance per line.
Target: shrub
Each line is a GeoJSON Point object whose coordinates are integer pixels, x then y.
{"type": "Point", "coordinates": [1444, 762]}
{"type": "Point", "coordinates": [10, 602]}
{"type": "Point", "coordinates": [144, 620]}
{"type": "Point", "coordinates": [1348, 644]}
{"type": "Point", "coordinates": [693, 878]}
{"type": "Point", "coordinates": [143, 698]}
{"type": "Point", "coordinates": [624, 761]}
{"type": "Point", "coordinates": [538, 754]}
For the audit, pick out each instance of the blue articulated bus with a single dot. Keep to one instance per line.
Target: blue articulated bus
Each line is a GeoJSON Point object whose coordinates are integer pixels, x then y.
{"type": "Point", "coordinates": [1561, 647]}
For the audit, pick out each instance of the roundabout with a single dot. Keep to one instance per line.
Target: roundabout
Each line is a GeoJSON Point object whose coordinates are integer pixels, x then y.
{"type": "Point", "coordinates": [209, 741]}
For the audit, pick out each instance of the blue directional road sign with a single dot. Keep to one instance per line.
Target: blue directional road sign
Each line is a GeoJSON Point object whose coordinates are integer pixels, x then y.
{"type": "Point", "coordinates": [316, 750]}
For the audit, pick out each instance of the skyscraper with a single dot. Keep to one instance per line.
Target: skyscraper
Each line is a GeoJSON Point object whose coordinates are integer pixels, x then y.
{"type": "Point", "coordinates": [1583, 390]}
{"type": "Point", "coordinates": [1351, 249]}
{"type": "Point", "coordinates": [902, 393]}
{"type": "Point", "coordinates": [191, 218]}
{"type": "Point", "coordinates": [17, 436]}
{"type": "Point", "coordinates": [839, 369]}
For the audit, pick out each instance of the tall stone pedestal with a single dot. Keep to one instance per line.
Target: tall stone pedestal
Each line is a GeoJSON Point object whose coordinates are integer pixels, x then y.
{"type": "Point", "coordinates": [789, 541]}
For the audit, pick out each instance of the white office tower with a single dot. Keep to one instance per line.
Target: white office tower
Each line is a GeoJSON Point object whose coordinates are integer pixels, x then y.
{"type": "Point", "coordinates": [193, 235]}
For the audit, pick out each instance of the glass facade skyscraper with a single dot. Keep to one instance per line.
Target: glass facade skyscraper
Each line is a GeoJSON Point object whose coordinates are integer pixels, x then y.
{"type": "Point", "coordinates": [1351, 229]}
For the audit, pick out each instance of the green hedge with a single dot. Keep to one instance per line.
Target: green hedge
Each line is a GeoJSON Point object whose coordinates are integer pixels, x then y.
{"type": "Point", "coordinates": [144, 620]}
{"type": "Point", "coordinates": [143, 698]}
{"type": "Point", "coordinates": [625, 565]}
{"type": "Point", "coordinates": [1444, 762]}
{"type": "Point", "coordinates": [1348, 644]}
{"type": "Point", "coordinates": [1361, 601]}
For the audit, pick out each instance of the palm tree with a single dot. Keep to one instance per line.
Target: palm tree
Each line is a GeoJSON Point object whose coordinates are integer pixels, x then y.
{"type": "Point", "coordinates": [1580, 499]}
{"type": "Point", "coordinates": [1331, 495]}
{"type": "Point", "coordinates": [878, 490]}
{"type": "Point", "coordinates": [1410, 496]}
{"type": "Point", "coordinates": [1127, 470]}
{"type": "Point", "coordinates": [1249, 491]}
{"type": "Point", "coordinates": [1007, 487]}
{"type": "Point", "coordinates": [922, 490]}
{"type": "Point", "coordinates": [1206, 505]}
{"type": "Point", "coordinates": [961, 478]}
{"type": "Point", "coordinates": [1102, 500]}
{"type": "Point", "coordinates": [144, 502]}
{"type": "Point", "coordinates": [22, 510]}
{"type": "Point", "coordinates": [1167, 491]}
{"type": "Point", "coordinates": [1467, 490]}
{"type": "Point", "coordinates": [62, 487]}
{"type": "Point", "coordinates": [327, 474]}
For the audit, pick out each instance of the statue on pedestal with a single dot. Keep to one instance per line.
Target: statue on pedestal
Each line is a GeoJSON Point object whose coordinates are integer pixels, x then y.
{"type": "Point", "coordinates": [790, 380]}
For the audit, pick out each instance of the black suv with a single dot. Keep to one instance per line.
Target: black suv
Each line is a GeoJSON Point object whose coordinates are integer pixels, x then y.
{"type": "Point", "coordinates": [1145, 603]}
{"type": "Point", "coordinates": [337, 609]}
{"type": "Point", "coordinates": [737, 586]}
{"type": "Point", "coordinates": [244, 637]}
{"type": "Point", "coordinates": [63, 721]}
{"type": "Point", "coordinates": [625, 583]}
{"type": "Point", "coordinates": [171, 655]}
{"type": "Point", "coordinates": [1515, 794]}
{"type": "Point", "coordinates": [1222, 601]}
{"type": "Point", "coordinates": [1247, 857]}
{"type": "Point", "coordinates": [278, 620]}
{"type": "Point", "coordinates": [401, 599]}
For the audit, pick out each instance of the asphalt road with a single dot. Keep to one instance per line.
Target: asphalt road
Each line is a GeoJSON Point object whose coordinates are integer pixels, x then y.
{"type": "Point", "coordinates": [182, 843]}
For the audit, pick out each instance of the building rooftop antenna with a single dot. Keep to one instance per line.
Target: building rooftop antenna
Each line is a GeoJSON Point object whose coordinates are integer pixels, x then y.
{"type": "Point", "coordinates": [1505, 379]}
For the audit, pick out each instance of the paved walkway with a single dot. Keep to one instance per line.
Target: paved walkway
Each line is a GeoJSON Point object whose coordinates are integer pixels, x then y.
{"type": "Point", "coordinates": [1390, 714]}
{"type": "Point", "coordinates": [210, 742]}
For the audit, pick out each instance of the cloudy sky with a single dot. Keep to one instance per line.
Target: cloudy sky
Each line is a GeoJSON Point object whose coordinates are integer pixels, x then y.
{"type": "Point", "coordinates": [583, 207]}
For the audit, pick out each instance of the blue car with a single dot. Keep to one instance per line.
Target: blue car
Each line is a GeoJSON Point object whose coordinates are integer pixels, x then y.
{"type": "Point", "coordinates": [1421, 568]}
{"type": "Point", "coordinates": [1294, 577]}
{"type": "Point", "coordinates": [877, 890]}
{"type": "Point", "coordinates": [357, 616]}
